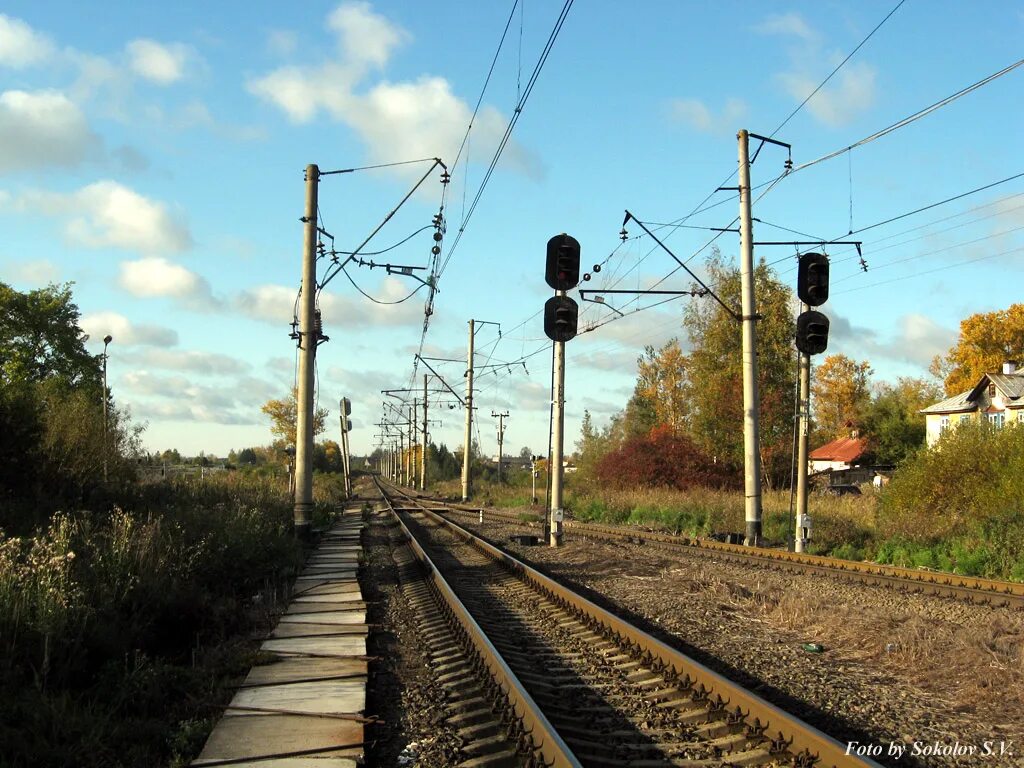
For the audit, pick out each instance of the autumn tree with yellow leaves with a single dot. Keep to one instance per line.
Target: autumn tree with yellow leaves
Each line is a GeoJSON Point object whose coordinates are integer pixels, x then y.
{"type": "Point", "coordinates": [840, 396]}
{"type": "Point", "coordinates": [987, 340]}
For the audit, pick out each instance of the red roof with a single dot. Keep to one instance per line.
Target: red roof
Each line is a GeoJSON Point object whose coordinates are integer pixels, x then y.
{"type": "Point", "coordinates": [845, 449]}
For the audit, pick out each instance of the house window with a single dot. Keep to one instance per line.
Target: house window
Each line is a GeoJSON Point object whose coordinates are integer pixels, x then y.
{"type": "Point", "coordinates": [996, 419]}
{"type": "Point", "coordinates": [991, 391]}
{"type": "Point", "coordinates": [964, 418]}
{"type": "Point", "coordinates": [1020, 417]}
{"type": "Point", "coordinates": [944, 424]}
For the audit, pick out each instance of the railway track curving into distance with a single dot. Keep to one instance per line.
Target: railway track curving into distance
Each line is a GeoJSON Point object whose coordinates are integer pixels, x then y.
{"type": "Point", "coordinates": [575, 685]}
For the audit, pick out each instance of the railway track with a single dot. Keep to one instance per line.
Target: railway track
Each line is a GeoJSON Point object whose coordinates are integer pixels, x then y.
{"type": "Point", "coordinates": [991, 592]}
{"type": "Point", "coordinates": [576, 685]}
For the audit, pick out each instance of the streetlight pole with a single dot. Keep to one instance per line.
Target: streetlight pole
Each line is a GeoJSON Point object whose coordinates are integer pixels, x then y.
{"type": "Point", "coordinates": [106, 441]}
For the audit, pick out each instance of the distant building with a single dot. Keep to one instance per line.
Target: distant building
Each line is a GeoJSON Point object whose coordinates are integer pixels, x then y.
{"type": "Point", "coordinates": [997, 397]}
{"type": "Point", "coordinates": [839, 455]}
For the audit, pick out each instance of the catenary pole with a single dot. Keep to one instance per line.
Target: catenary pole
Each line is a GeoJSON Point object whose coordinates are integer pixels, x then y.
{"type": "Point", "coordinates": [558, 426]}
{"type": "Point", "coordinates": [307, 363]}
{"type": "Point", "coordinates": [423, 456]}
{"type": "Point", "coordinates": [800, 539]}
{"type": "Point", "coordinates": [501, 437]}
{"type": "Point", "coordinates": [468, 435]}
{"type": "Point", "coordinates": [751, 404]}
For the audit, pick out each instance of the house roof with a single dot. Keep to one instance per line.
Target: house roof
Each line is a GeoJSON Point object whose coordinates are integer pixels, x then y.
{"type": "Point", "coordinates": [846, 449]}
{"type": "Point", "coordinates": [1011, 385]}
{"type": "Point", "coordinates": [956, 404]}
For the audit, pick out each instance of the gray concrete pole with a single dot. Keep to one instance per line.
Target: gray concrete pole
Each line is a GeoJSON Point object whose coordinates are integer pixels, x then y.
{"type": "Point", "coordinates": [801, 454]}
{"type": "Point", "coordinates": [414, 435]}
{"type": "Point", "coordinates": [404, 447]}
{"type": "Point", "coordinates": [106, 437]}
{"type": "Point", "coordinates": [468, 435]}
{"type": "Point", "coordinates": [751, 399]}
{"type": "Point", "coordinates": [423, 456]}
{"type": "Point", "coordinates": [307, 363]}
{"type": "Point", "coordinates": [558, 426]}
{"type": "Point", "coordinates": [345, 465]}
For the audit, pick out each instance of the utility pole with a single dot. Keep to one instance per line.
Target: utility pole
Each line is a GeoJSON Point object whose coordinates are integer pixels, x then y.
{"type": "Point", "coordinates": [558, 426]}
{"type": "Point", "coordinates": [801, 455]}
{"type": "Point", "coordinates": [415, 437]}
{"type": "Point", "coordinates": [404, 443]}
{"type": "Point", "coordinates": [751, 399]}
{"type": "Point", "coordinates": [308, 339]}
{"type": "Point", "coordinates": [423, 456]}
{"type": "Point", "coordinates": [106, 439]}
{"type": "Point", "coordinates": [501, 436]}
{"type": "Point", "coordinates": [345, 408]}
{"type": "Point", "coordinates": [468, 436]}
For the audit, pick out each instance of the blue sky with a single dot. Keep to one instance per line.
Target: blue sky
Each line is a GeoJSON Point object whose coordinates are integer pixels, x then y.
{"type": "Point", "coordinates": [154, 155]}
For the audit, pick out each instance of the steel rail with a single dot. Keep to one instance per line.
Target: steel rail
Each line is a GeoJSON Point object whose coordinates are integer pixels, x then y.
{"type": "Point", "coordinates": [1008, 594]}
{"type": "Point", "coordinates": [808, 745]}
{"type": "Point", "coordinates": [545, 741]}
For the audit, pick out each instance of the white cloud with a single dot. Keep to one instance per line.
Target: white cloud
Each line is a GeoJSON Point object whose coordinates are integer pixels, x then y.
{"type": "Point", "coordinates": [276, 304]}
{"type": "Point", "coordinates": [20, 45]}
{"type": "Point", "coordinates": [191, 360]}
{"type": "Point", "coordinates": [840, 102]}
{"type": "Point", "coordinates": [156, 276]}
{"type": "Point", "coordinates": [40, 272]}
{"type": "Point", "coordinates": [125, 332]}
{"type": "Point", "coordinates": [108, 214]}
{"type": "Point", "coordinates": [698, 116]}
{"type": "Point", "coordinates": [281, 42]}
{"type": "Point", "coordinates": [789, 25]}
{"type": "Point", "coordinates": [418, 118]}
{"type": "Point", "coordinates": [365, 37]}
{"type": "Point", "coordinates": [178, 398]}
{"type": "Point", "coordinates": [160, 63]}
{"type": "Point", "coordinates": [40, 129]}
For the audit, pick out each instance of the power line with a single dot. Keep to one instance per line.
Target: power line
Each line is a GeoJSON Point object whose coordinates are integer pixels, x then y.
{"type": "Point", "coordinates": [838, 67]}
{"type": "Point", "coordinates": [911, 118]}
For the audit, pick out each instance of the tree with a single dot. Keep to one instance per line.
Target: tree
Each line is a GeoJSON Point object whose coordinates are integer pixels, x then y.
{"type": "Point", "coordinates": [661, 376]}
{"type": "Point", "coordinates": [283, 414]}
{"type": "Point", "coordinates": [840, 395]}
{"type": "Point", "coordinates": [713, 386]}
{"type": "Point", "coordinates": [894, 427]}
{"type": "Point", "coordinates": [247, 456]}
{"type": "Point", "coordinates": [987, 340]}
{"type": "Point", "coordinates": [40, 340]}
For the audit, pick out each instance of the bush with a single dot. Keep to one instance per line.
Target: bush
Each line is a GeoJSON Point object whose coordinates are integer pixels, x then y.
{"type": "Point", "coordinates": [661, 459]}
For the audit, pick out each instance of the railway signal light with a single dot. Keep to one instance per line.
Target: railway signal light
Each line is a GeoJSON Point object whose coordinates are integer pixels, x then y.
{"type": "Point", "coordinates": [562, 270]}
{"type": "Point", "coordinates": [346, 406]}
{"type": "Point", "coordinates": [811, 333]}
{"type": "Point", "coordinates": [560, 316]}
{"type": "Point", "coordinates": [812, 279]}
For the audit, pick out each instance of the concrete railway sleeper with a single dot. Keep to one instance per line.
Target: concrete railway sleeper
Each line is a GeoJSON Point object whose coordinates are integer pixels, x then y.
{"type": "Point", "coordinates": [611, 694]}
{"type": "Point", "coordinates": [966, 588]}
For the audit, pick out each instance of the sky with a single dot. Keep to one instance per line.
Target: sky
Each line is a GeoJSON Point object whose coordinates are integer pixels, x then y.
{"type": "Point", "coordinates": [155, 157]}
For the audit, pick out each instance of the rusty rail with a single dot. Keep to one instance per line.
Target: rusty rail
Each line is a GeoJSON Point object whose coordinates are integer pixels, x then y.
{"type": "Point", "coordinates": [809, 746]}
{"type": "Point", "coordinates": [545, 742]}
{"type": "Point", "coordinates": [1008, 594]}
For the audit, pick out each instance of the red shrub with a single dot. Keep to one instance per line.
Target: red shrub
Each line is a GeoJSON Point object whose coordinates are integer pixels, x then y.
{"type": "Point", "coordinates": [661, 459]}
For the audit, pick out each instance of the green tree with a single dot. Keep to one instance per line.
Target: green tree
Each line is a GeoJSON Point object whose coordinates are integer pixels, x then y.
{"type": "Point", "coordinates": [283, 414]}
{"type": "Point", "coordinates": [840, 396]}
{"type": "Point", "coordinates": [892, 423]}
{"type": "Point", "coordinates": [41, 341]}
{"type": "Point", "coordinates": [714, 383]}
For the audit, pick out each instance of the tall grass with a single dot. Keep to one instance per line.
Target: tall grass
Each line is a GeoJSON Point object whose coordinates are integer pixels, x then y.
{"type": "Point", "coordinates": [112, 626]}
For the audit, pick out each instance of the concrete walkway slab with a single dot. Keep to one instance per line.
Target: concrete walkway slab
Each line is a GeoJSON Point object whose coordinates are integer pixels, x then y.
{"type": "Point", "coordinates": [343, 645]}
{"type": "Point", "coordinates": [324, 617]}
{"type": "Point", "coordinates": [330, 697]}
{"type": "Point", "coordinates": [315, 689]}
